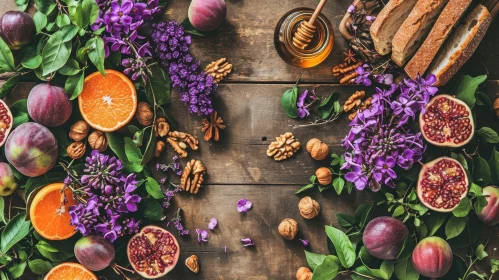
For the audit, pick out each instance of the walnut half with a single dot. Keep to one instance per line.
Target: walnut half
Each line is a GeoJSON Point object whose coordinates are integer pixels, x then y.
{"type": "Point", "coordinates": [180, 141]}
{"type": "Point", "coordinates": [193, 176]}
{"type": "Point", "coordinates": [284, 147]}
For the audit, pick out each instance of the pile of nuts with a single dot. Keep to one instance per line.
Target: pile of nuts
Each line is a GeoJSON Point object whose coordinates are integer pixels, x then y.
{"type": "Point", "coordinates": [355, 104]}
{"type": "Point", "coordinates": [79, 132]}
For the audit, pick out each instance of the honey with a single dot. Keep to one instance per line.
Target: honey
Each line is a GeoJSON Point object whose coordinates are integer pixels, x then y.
{"type": "Point", "coordinates": [317, 50]}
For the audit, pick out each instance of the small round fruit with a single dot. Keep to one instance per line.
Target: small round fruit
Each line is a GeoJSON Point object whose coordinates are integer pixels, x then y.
{"type": "Point", "coordinates": [32, 149]}
{"type": "Point", "coordinates": [384, 237]}
{"type": "Point", "coordinates": [17, 29]}
{"type": "Point", "coordinates": [7, 180]}
{"type": "Point", "coordinates": [447, 122]}
{"type": "Point", "coordinates": [70, 271]}
{"type": "Point", "coordinates": [432, 257]}
{"type": "Point", "coordinates": [490, 213]}
{"type": "Point", "coordinates": [207, 15]}
{"type": "Point", "coordinates": [6, 121]}
{"type": "Point", "coordinates": [153, 252]}
{"type": "Point", "coordinates": [442, 184]}
{"type": "Point", "coordinates": [94, 252]}
{"type": "Point", "coordinates": [49, 105]}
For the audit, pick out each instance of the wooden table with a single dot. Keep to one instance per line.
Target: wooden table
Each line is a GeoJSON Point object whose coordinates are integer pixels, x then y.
{"type": "Point", "coordinates": [238, 167]}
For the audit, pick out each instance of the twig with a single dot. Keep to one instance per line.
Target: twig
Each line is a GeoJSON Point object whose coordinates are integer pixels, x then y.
{"type": "Point", "coordinates": [317, 122]}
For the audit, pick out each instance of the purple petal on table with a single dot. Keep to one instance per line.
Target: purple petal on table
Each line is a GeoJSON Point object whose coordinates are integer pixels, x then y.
{"type": "Point", "coordinates": [243, 205]}
{"type": "Point", "coordinates": [247, 242]}
{"type": "Point", "coordinates": [213, 223]}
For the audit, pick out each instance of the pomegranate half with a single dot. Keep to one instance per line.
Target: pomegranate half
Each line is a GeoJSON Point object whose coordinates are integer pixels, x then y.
{"type": "Point", "coordinates": [6, 121]}
{"type": "Point", "coordinates": [447, 122]}
{"type": "Point", "coordinates": [442, 184]}
{"type": "Point", "coordinates": [153, 252]}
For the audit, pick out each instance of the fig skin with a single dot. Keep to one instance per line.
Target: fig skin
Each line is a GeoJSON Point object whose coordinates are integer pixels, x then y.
{"type": "Point", "coordinates": [32, 149]}
{"type": "Point", "coordinates": [49, 105]}
{"type": "Point", "coordinates": [490, 213]}
{"type": "Point", "coordinates": [384, 237]}
{"type": "Point", "coordinates": [94, 252]}
{"type": "Point", "coordinates": [207, 15]}
{"type": "Point", "coordinates": [432, 257]}
{"type": "Point", "coordinates": [7, 180]}
{"type": "Point", "coordinates": [17, 29]}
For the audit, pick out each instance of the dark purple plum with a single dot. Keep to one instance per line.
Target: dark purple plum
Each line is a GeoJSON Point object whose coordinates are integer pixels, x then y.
{"type": "Point", "coordinates": [49, 105]}
{"type": "Point", "coordinates": [207, 15]}
{"type": "Point", "coordinates": [17, 29]}
{"type": "Point", "coordinates": [384, 237]}
{"type": "Point", "coordinates": [94, 252]}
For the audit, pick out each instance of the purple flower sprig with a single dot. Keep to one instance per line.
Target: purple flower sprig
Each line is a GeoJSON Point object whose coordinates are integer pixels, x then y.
{"type": "Point", "coordinates": [177, 222]}
{"type": "Point", "coordinates": [304, 101]}
{"type": "Point", "coordinates": [203, 235]}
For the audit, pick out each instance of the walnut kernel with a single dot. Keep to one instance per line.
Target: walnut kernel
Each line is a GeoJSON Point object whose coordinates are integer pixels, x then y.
{"type": "Point", "coordinates": [309, 208]}
{"type": "Point", "coordinates": [160, 147]}
{"type": "Point", "coordinates": [284, 147]}
{"type": "Point", "coordinates": [324, 176]}
{"type": "Point", "coordinates": [161, 127]}
{"type": "Point", "coordinates": [304, 273]}
{"type": "Point", "coordinates": [192, 176]}
{"type": "Point", "coordinates": [317, 149]}
{"type": "Point", "coordinates": [79, 130]}
{"type": "Point", "coordinates": [98, 141]}
{"type": "Point", "coordinates": [192, 263]}
{"type": "Point", "coordinates": [76, 150]}
{"type": "Point", "coordinates": [144, 114]}
{"type": "Point", "coordinates": [288, 228]}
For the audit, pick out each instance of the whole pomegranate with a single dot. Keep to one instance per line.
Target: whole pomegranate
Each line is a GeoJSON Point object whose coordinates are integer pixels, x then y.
{"type": "Point", "coordinates": [447, 122]}
{"type": "Point", "coordinates": [442, 184]}
{"type": "Point", "coordinates": [6, 121]}
{"type": "Point", "coordinates": [17, 29]}
{"type": "Point", "coordinates": [32, 149]}
{"type": "Point", "coordinates": [153, 252]}
{"type": "Point", "coordinates": [94, 252]}
{"type": "Point", "coordinates": [49, 105]}
{"type": "Point", "coordinates": [384, 237]}
{"type": "Point", "coordinates": [7, 180]}
{"type": "Point", "coordinates": [490, 213]}
{"type": "Point", "coordinates": [207, 15]}
{"type": "Point", "coordinates": [432, 257]}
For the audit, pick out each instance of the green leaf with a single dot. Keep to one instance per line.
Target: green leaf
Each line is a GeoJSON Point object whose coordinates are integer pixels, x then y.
{"type": "Point", "coordinates": [6, 58]}
{"type": "Point", "coordinates": [159, 88]}
{"type": "Point", "coordinates": [32, 62]}
{"type": "Point", "coordinates": [68, 33]}
{"type": "Point", "coordinates": [329, 105]}
{"type": "Point", "coordinates": [74, 85]}
{"type": "Point", "coordinates": [9, 85]}
{"type": "Point", "coordinates": [288, 101]}
{"type": "Point", "coordinates": [43, 180]}
{"type": "Point", "coordinates": [14, 231]}
{"type": "Point", "coordinates": [117, 146]}
{"type": "Point", "coordinates": [481, 170]}
{"type": "Point", "coordinates": [434, 222]}
{"type": "Point", "coordinates": [327, 270]}
{"type": "Point", "coordinates": [45, 6]}
{"type": "Point", "coordinates": [405, 270]}
{"type": "Point", "coordinates": [463, 208]}
{"type": "Point", "coordinates": [150, 209]}
{"type": "Point", "coordinates": [488, 135]}
{"type": "Point", "coordinates": [51, 252]}
{"type": "Point", "coordinates": [304, 188]}
{"type": "Point", "coordinates": [314, 260]}
{"type": "Point", "coordinates": [154, 189]}
{"type": "Point", "coordinates": [96, 53]}
{"type": "Point", "coordinates": [338, 184]}
{"type": "Point", "coordinates": [91, 9]}
{"type": "Point", "coordinates": [345, 221]}
{"type": "Point", "coordinates": [20, 112]}
{"type": "Point", "coordinates": [150, 147]}
{"type": "Point", "coordinates": [55, 53]}
{"type": "Point", "coordinates": [362, 214]}
{"type": "Point", "coordinates": [480, 252]}
{"type": "Point", "coordinates": [407, 248]}
{"type": "Point", "coordinates": [455, 226]}
{"type": "Point", "coordinates": [40, 20]}
{"type": "Point", "coordinates": [22, 4]}
{"type": "Point", "coordinates": [2, 210]}
{"type": "Point", "coordinates": [70, 68]}
{"type": "Point", "coordinates": [83, 13]}
{"type": "Point", "coordinates": [466, 88]}
{"type": "Point", "coordinates": [399, 211]}
{"type": "Point", "coordinates": [133, 154]}
{"type": "Point", "coordinates": [17, 270]}
{"type": "Point", "coordinates": [494, 167]}
{"type": "Point", "coordinates": [62, 20]}
{"type": "Point", "coordinates": [480, 203]}
{"type": "Point", "coordinates": [342, 245]}
{"type": "Point", "coordinates": [39, 266]}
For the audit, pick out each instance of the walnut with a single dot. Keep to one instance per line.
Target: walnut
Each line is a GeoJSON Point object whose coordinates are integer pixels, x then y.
{"type": "Point", "coordinates": [180, 141]}
{"type": "Point", "coordinates": [192, 263]}
{"type": "Point", "coordinates": [284, 147]}
{"type": "Point", "coordinates": [317, 149]}
{"type": "Point", "coordinates": [79, 131]}
{"type": "Point", "coordinates": [324, 176]}
{"type": "Point", "coordinates": [218, 69]}
{"type": "Point", "coordinates": [212, 126]}
{"type": "Point", "coordinates": [346, 73]}
{"type": "Point", "coordinates": [354, 101]}
{"type": "Point", "coordinates": [288, 228]}
{"type": "Point", "coordinates": [304, 273]}
{"type": "Point", "coordinates": [144, 114]}
{"type": "Point", "coordinates": [496, 107]}
{"type": "Point", "coordinates": [192, 176]}
{"type": "Point", "coordinates": [160, 147]}
{"type": "Point", "coordinates": [309, 208]}
{"type": "Point", "coordinates": [98, 141]}
{"type": "Point", "coordinates": [161, 127]}
{"type": "Point", "coordinates": [76, 150]}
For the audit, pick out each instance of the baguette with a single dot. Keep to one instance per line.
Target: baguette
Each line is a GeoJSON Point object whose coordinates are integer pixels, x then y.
{"type": "Point", "coordinates": [414, 29]}
{"type": "Point", "coordinates": [388, 22]}
{"type": "Point", "coordinates": [461, 45]}
{"type": "Point", "coordinates": [449, 17]}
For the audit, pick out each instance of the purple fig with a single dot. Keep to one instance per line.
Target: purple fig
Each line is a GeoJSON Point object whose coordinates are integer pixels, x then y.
{"type": "Point", "coordinates": [49, 105]}
{"type": "Point", "coordinates": [490, 213]}
{"type": "Point", "coordinates": [17, 29]}
{"type": "Point", "coordinates": [384, 237]}
{"type": "Point", "coordinates": [94, 252]}
{"type": "Point", "coordinates": [207, 15]}
{"type": "Point", "coordinates": [432, 257]}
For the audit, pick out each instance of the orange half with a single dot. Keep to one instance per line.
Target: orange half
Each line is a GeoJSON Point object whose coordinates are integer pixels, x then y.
{"type": "Point", "coordinates": [49, 216]}
{"type": "Point", "coordinates": [70, 271]}
{"type": "Point", "coordinates": [108, 102]}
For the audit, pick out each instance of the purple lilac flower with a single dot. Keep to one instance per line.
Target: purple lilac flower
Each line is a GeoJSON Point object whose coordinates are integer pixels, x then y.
{"type": "Point", "coordinates": [303, 102]}
{"type": "Point", "coordinates": [202, 235]}
{"type": "Point", "coordinates": [172, 49]}
{"type": "Point", "coordinates": [177, 222]}
{"type": "Point", "coordinates": [370, 18]}
{"type": "Point", "coordinates": [386, 79]}
{"type": "Point", "coordinates": [247, 242]}
{"type": "Point", "coordinates": [364, 74]}
{"type": "Point", "coordinates": [305, 242]}
{"type": "Point", "coordinates": [213, 223]}
{"type": "Point", "coordinates": [244, 205]}
{"type": "Point", "coordinates": [351, 9]}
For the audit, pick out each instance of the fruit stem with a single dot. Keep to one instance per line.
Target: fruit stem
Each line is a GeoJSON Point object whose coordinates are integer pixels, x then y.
{"type": "Point", "coordinates": [119, 270]}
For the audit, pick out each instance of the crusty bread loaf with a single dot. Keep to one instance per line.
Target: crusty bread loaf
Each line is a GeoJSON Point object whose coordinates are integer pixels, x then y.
{"type": "Point", "coordinates": [388, 22]}
{"type": "Point", "coordinates": [447, 20]}
{"type": "Point", "coordinates": [415, 28]}
{"type": "Point", "coordinates": [461, 45]}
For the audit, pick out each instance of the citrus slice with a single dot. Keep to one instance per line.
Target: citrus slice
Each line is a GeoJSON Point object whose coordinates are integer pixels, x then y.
{"type": "Point", "coordinates": [108, 102]}
{"type": "Point", "coordinates": [49, 216]}
{"type": "Point", "coordinates": [70, 271]}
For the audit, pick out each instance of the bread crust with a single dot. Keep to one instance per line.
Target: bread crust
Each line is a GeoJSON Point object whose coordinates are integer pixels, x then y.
{"type": "Point", "coordinates": [447, 20]}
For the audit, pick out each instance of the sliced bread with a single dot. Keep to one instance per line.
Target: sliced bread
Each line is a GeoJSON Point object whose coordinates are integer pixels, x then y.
{"type": "Point", "coordinates": [388, 22]}
{"type": "Point", "coordinates": [461, 45]}
{"type": "Point", "coordinates": [442, 29]}
{"type": "Point", "coordinates": [414, 29]}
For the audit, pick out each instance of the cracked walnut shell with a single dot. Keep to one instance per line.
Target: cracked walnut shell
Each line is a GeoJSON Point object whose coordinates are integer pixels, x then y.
{"type": "Point", "coordinates": [192, 263]}
{"type": "Point", "coordinates": [288, 228]}
{"type": "Point", "coordinates": [98, 141]}
{"type": "Point", "coordinates": [219, 69]}
{"type": "Point", "coordinates": [79, 130]}
{"type": "Point", "coordinates": [161, 127]}
{"type": "Point", "coordinates": [192, 176]}
{"type": "Point", "coordinates": [284, 147]}
{"type": "Point", "coordinates": [317, 149]}
{"type": "Point", "coordinates": [180, 141]}
{"type": "Point", "coordinates": [144, 114]}
{"type": "Point", "coordinates": [309, 208]}
{"type": "Point", "coordinates": [76, 150]}
{"type": "Point", "coordinates": [304, 273]}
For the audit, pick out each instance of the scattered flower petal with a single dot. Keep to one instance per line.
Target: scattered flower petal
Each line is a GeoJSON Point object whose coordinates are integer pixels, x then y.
{"type": "Point", "coordinates": [305, 242]}
{"type": "Point", "coordinates": [213, 223]}
{"type": "Point", "coordinates": [202, 235]}
{"type": "Point", "coordinates": [243, 205]}
{"type": "Point", "coordinates": [247, 242]}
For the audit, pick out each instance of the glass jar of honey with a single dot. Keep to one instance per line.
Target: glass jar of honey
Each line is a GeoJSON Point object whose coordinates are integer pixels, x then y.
{"type": "Point", "coordinates": [317, 50]}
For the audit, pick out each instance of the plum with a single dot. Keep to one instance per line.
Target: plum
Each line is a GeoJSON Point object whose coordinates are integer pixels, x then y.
{"type": "Point", "coordinates": [94, 252]}
{"type": "Point", "coordinates": [32, 149]}
{"type": "Point", "coordinates": [49, 105]}
{"type": "Point", "coordinates": [17, 29]}
{"type": "Point", "coordinates": [432, 257]}
{"type": "Point", "coordinates": [7, 180]}
{"type": "Point", "coordinates": [490, 213]}
{"type": "Point", "coordinates": [207, 15]}
{"type": "Point", "coordinates": [384, 237]}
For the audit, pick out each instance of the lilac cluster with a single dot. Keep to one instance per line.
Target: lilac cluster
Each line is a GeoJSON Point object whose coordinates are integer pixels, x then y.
{"type": "Point", "coordinates": [107, 197]}
{"type": "Point", "coordinates": [165, 183]}
{"type": "Point", "coordinates": [380, 138]}
{"type": "Point", "coordinates": [172, 48]}
{"type": "Point", "coordinates": [304, 101]}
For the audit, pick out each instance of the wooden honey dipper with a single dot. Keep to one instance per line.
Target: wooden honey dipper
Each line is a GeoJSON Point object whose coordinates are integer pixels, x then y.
{"type": "Point", "coordinates": [306, 30]}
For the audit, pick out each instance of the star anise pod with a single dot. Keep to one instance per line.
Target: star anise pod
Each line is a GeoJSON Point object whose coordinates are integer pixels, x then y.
{"type": "Point", "coordinates": [212, 126]}
{"type": "Point", "coordinates": [349, 56]}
